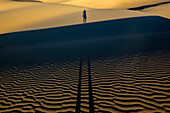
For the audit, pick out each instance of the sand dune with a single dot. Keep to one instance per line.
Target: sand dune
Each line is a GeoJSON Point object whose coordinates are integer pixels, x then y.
{"type": "Point", "coordinates": [129, 68]}
{"type": "Point", "coordinates": [148, 6]}
{"type": "Point", "coordinates": [70, 17]}
{"type": "Point", "coordinates": [49, 44]}
{"type": "Point", "coordinates": [109, 4]}
{"type": "Point", "coordinates": [6, 5]}
{"type": "Point", "coordinates": [40, 14]}
{"type": "Point", "coordinates": [116, 63]}
{"type": "Point", "coordinates": [47, 15]}
{"type": "Point", "coordinates": [23, 16]}
{"type": "Point", "coordinates": [162, 10]}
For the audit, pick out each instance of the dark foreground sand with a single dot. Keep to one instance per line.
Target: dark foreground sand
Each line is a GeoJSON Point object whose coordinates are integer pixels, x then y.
{"type": "Point", "coordinates": [136, 83]}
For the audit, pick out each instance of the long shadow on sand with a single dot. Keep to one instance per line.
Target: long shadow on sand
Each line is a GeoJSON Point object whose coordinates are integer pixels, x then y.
{"type": "Point", "coordinates": [78, 103]}
{"type": "Point", "coordinates": [148, 6]}
{"type": "Point", "coordinates": [113, 37]}
{"type": "Point", "coordinates": [91, 103]}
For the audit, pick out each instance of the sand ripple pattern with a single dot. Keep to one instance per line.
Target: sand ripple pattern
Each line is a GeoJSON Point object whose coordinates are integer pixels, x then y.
{"type": "Point", "coordinates": [132, 84]}
{"type": "Point", "coordinates": [50, 88]}
{"type": "Point", "coordinates": [138, 83]}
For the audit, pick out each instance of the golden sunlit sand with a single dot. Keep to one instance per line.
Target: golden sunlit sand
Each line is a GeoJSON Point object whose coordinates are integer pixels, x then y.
{"type": "Point", "coordinates": [22, 16]}
{"type": "Point", "coordinates": [46, 15]}
{"type": "Point", "coordinates": [162, 10]}
{"type": "Point", "coordinates": [110, 4]}
{"type": "Point", "coordinates": [118, 62]}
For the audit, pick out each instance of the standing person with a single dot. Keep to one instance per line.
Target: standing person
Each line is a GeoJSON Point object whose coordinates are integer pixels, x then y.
{"type": "Point", "coordinates": [84, 16]}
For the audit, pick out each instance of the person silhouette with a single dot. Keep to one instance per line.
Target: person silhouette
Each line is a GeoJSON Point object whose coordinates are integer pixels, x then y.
{"type": "Point", "coordinates": [84, 16]}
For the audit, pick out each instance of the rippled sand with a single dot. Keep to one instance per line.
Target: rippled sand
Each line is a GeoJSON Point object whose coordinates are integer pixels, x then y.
{"type": "Point", "coordinates": [46, 88]}
{"type": "Point", "coordinates": [136, 83]}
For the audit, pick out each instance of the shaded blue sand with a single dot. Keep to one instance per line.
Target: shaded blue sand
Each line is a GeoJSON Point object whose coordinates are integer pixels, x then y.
{"type": "Point", "coordinates": [113, 37]}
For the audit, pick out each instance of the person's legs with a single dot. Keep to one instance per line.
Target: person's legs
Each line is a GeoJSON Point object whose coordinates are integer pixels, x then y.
{"type": "Point", "coordinates": [83, 20]}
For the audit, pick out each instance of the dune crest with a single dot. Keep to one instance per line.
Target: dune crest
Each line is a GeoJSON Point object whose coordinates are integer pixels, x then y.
{"type": "Point", "coordinates": [112, 4]}
{"type": "Point", "coordinates": [162, 10]}
{"type": "Point", "coordinates": [22, 16]}
{"type": "Point", "coordinates": [46, 15]}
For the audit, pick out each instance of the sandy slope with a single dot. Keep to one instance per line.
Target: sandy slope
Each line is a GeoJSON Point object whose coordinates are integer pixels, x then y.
{"type": "Point", "coordinates": [28, 17]}
{"type": "Point", "coordinates": [19, 16]}
{"type": "Point", "coordinates": [46, 15]}
{"type": "Point", "coordinates": [115, 4]}
{"type": "Point", "coordinates": [10, 5]}
{"type": "Point", "coordinates": [162, 10]}
{"type": "Point", "coordinates": [65, 15]}
{"type": "Point", "coordinates": [75, 40]}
